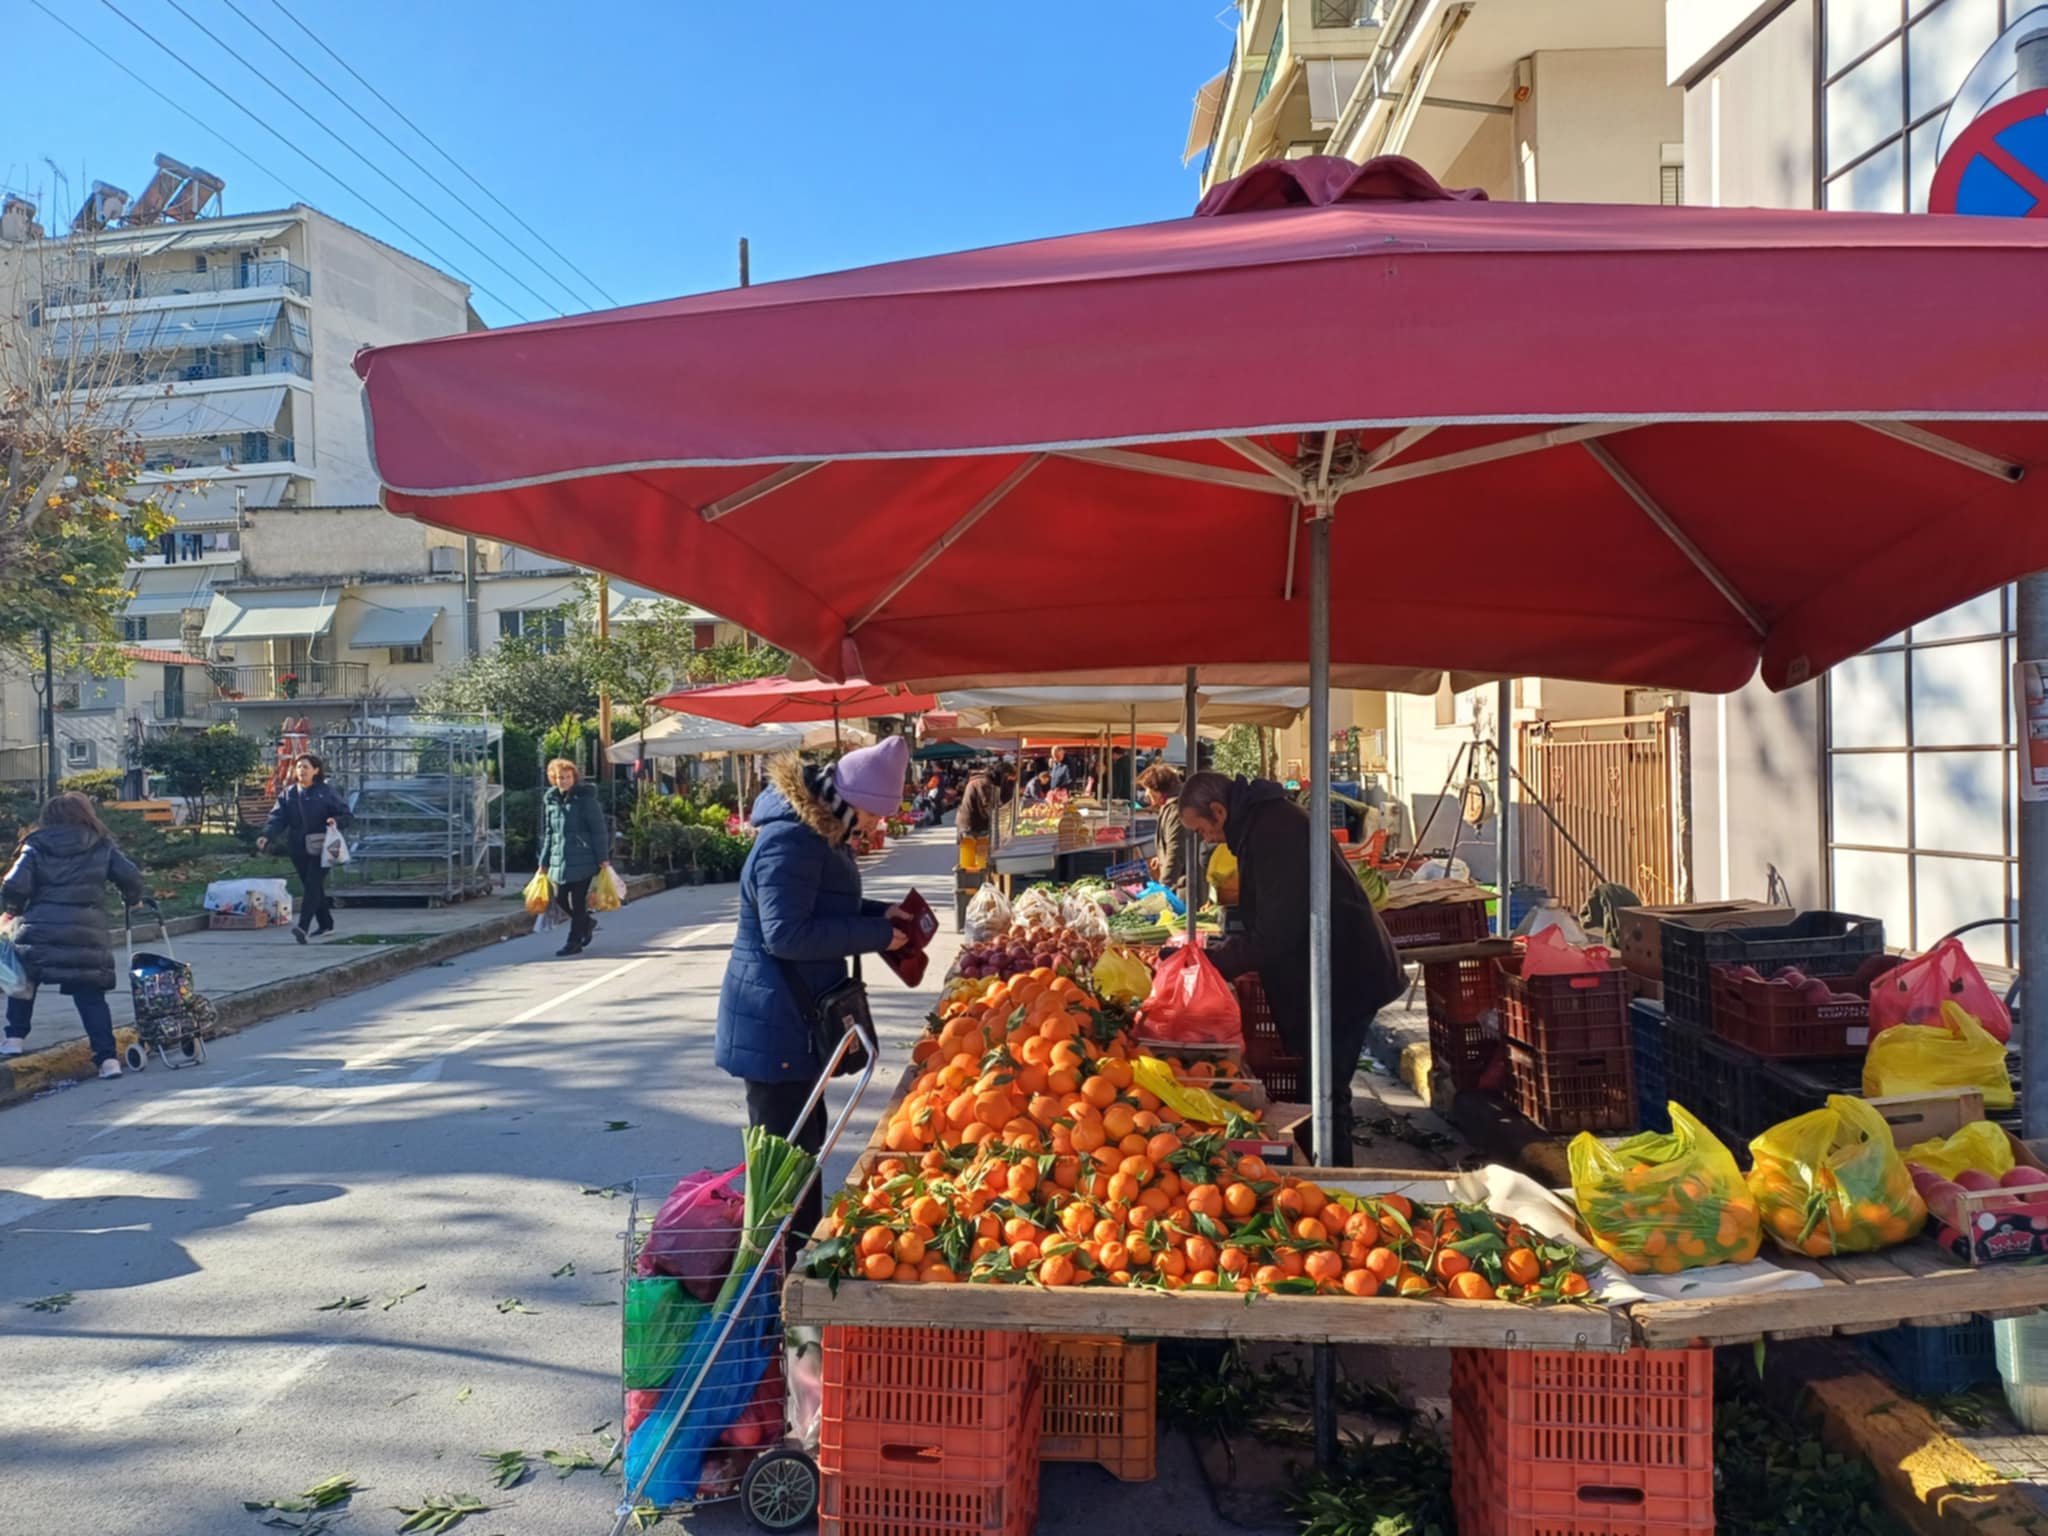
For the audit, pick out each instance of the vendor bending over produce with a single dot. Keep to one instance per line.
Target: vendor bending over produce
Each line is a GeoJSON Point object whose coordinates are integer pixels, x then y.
{"type": "Point", "coordinates": [1269, 836]}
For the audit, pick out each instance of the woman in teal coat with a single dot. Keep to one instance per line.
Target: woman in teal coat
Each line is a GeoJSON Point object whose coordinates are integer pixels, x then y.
{"type": "Point", "coordinates": [575, 844]}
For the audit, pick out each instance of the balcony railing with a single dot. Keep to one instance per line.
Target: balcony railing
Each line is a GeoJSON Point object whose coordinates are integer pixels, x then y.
{"type": "Point", "coordinates": [230, 452]}
{"type": "Point", "coordinates": [1346, 13]}
{"type": "Point", "coordinates": [1275, 52]}
{"type": "Point", "coordinates": [156, 282]}
{"type": "Point", "coordinates": [308, 680]}
{"type": "Point", "coordinates": [66, 695]}
{"type": "Point", "coordinates": [186, 708]}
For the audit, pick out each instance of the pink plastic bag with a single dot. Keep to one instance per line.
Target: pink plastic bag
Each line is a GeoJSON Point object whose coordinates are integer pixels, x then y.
{"type": "Point", "coordinates": [1913, 992]}
{"type": "Point", "coordinates": [1548, 953]}
{"type": "Point", "coordinates": [696, 1233]}
{"type": "Point", "coordinates": [1191, 1003]}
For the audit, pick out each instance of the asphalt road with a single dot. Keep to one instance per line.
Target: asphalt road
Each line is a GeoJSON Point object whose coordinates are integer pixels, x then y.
{"type": "Point", "coordinates": [428, 1146]}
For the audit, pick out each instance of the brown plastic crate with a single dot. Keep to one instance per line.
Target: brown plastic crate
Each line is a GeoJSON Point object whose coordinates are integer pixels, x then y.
{"type": "Point", "coordinates": [1564, 1013]}
{"type": "Point", "coordinates": [1765, 1018]}
{"type": "Point", "coordinates": [1435, 922]}
{"type": "Point", "coordinates": [1565, 1091]}
{"type": "Point", "coordinates": [1266, 1056]}
{"type": "Point", "coordinates": [1101, 1404]}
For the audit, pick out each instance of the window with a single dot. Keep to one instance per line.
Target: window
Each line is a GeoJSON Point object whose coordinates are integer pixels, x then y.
{"type": "Point", "coordinates": [79, 754]}
{"type": "Point", "coordinates": [412, 655]}
{"type": "Point", "coordinates": [134, 629]}
{"type": "Point", "coordinates": [1920, 815]}
{"type": "Point", "coordinates": [543, 627]}
{"type": "Point", "coordinates": [703, 636]}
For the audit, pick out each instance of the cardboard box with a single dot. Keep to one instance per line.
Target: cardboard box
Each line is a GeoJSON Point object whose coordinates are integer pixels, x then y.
{"type": "Point", "coordinates": [1991, 1226]}
{"type": "Point", "coordinates": [1640, 945]}
{"type": "Point", "coordinates": [1275, 1141]}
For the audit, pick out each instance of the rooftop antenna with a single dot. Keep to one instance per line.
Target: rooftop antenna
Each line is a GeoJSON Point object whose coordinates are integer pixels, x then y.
{"type": "Point", "coordinates": [744, 278]}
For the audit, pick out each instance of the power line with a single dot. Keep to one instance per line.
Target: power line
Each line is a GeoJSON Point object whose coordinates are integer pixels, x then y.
{"type": "Point", "coordinates": [415, 127]}
{"type": "Point", "coordinates": [308, 114]}
{"type": "Point", "coordinates": [247, 112]}
{"type": "Point", "coordinates": [464, 203]}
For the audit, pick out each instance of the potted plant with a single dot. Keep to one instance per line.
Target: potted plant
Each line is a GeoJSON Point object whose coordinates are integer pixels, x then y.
{"type": "Point", "coordinates": [693, 843]}
{"type": "Point", "coordinates": [288, 684]}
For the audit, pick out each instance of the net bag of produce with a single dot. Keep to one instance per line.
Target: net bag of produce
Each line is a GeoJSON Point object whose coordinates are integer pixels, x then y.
{"type": "Point", "coordinates": [1661, 1202]}
{"type": "Point", "coordinates": [1036, 908]}
{"type": "Point", "coordinates": [988, 915]}
{"type": "Point", "coordinates": [1913, 993]}
{"type": "Point", "coordinates": [1831, 1181]}
{"type": "Point", "coordinates": [1982, 1146]}
{"type": "Point", "coordinates": [1121, 977]}
{"type": "Point", "coordinates": [540, 890]}
{"type": "Point", "coordinates": [1956, 1052]}
{"type": "Point", "coordinates": [1190, 1003]}
{"type": "Point", "coordinates": [1081, 913]}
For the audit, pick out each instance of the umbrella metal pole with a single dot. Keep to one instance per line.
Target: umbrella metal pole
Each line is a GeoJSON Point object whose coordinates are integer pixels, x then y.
{"type": "Point", "coordinates": [1503, 834]}
{"type": "Point", "coordinates": [1190, 844]}
{"type": "Point", "coordinates": [2032, 621]}
{"type": "Point", "coordinates": [1322, 1081]}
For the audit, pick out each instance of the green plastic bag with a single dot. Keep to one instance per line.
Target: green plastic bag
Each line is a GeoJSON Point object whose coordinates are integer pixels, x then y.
{"type": "Point", "coordinates": [1929, 1058]}
{"type": "Point", "coordinates": [660, 1318]}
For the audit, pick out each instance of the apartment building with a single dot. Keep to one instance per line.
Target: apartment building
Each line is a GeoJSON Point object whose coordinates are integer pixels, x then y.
{"type": "Point", "coordinates": [1887, 786]}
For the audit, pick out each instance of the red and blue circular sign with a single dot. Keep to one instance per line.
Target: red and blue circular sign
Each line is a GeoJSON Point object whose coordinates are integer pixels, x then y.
{"type": "Point", "coordinates": [1998, 166]}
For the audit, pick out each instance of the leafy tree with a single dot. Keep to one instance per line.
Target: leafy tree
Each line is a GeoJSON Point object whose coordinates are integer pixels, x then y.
{"type": "Point", "coordinates": [205, 767]}
{"type": "Point", "coordinates": [1240, 751]}
{"type": "Point", "coordinates": [517, 682]}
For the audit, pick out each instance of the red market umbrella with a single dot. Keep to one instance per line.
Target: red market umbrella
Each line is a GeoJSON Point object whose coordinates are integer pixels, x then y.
{"type": "Point", "coordinates": [781, 701]}
{"type": "Point", "coordinates": [1624, 444]}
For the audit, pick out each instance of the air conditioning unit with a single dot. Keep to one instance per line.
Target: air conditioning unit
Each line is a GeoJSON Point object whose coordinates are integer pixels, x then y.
{"type": "Point", "coordinates": [444, 560]}
{"type": "Point", "coordinates": [273, 253]}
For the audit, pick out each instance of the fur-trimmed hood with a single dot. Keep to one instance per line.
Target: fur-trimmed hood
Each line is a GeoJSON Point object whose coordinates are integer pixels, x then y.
{"type": "Point", "coordinates": [798, 801]}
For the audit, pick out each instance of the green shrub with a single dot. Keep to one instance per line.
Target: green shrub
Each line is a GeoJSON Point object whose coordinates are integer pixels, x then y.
{"type": "Point", "coordinates": [522, 828]}
{"type": "Point", "coordinates": [522, 759]}
{"type": "Point", "coordinates": [101, 785]}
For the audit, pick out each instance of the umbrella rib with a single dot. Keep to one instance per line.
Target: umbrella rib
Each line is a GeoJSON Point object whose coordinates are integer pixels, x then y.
{"type": "Point", "coordinates": [767, 485]}
{"type": "Point", "coordinates": [1605, 458]}
{"type": "Point", "coordinates": [939, 546]}
{"type": "Point", "coordinates": [1948, 448]}
{"type": "Point", "coordinates": [1392, 448]}
{"type": "Point", "coordinates": [1179, 469]}
{"type": "Point", "coordinates": [1488, 453]}
{"type": "Point", "coordinates": [1267, 460]}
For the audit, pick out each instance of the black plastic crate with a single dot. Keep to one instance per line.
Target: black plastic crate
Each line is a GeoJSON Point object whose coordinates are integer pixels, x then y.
{"type": "Point", "coordinates": [1646, 1040]}
{"type": "Point", "coordinates": [1791, 1088]}
{"type": "Point", "coordinates": [1936, 1362]}
{"type": "Point", "coordinates": [1819, 943]}
{"type": "Point", "coordinates": [1737, 1078]}
{"type": "Point", "coordinates": [1685, 1080]}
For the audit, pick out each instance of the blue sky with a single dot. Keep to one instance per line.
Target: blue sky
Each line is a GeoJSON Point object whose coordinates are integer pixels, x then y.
{"type": "Point", "coordinates": [645, 138]}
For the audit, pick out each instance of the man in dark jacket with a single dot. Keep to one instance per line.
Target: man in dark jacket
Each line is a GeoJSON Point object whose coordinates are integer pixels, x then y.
{"type": "Point", "coordinates": [980, 802]}
{"type": "Point", "coordinates": [54, 890]}
{"type": "Point", "coordinates": [300, 820]}
{"type": "Point", "coordinates": [1269, 836]}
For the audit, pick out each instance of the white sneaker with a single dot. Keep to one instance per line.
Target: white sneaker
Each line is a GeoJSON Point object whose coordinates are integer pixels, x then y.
{"type": "Point", "coordinates": [110, 1068]}
{"type": "Point", "coordinates": [9, 1046]}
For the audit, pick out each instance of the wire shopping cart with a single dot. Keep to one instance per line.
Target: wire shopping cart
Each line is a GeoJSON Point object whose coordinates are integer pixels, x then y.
{"type": "Point", "coordinates": [170, 1013]}
{"type": "Point", "coordinates": [709, 1388]}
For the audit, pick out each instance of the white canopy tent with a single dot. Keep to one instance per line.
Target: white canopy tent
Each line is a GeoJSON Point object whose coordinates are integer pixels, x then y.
{"type": "Point", "coordinates": [1050, 710]}
{"type": "Point", "coordinates": [694, 736]}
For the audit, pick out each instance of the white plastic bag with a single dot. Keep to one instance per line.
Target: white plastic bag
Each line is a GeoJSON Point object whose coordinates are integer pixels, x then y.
{"type": "Point", "coordinates": [14, 980]}
{"type": "Point", "coordinates": [546, 918]}
{"type": "Point", "coordinates": [333, 849]}
{"type": "Point", "coordinates": [988, 915]}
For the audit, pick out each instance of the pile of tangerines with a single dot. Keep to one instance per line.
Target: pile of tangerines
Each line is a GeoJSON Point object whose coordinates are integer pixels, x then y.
{"type": "Point", "coordinates": [1024, 1152]}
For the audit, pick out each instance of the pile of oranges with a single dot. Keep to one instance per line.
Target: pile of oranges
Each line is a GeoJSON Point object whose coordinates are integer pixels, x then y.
{"type": "Point", "coordinates": [1025, 1153]}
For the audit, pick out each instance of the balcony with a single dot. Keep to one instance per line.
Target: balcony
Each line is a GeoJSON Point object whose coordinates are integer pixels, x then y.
{"type": "Point", "coordinates": [211, 363]}
{"type": "Point", "coordinates": [210, 454]}
{"type": "Point", "coordinates": [307, 680]}
{"type": "Point", "coordinates": [186, 709]}
{"type": "Point", "coordinates": [1324, 14]}
{"type": "Point", "coordinates": [158, 282]}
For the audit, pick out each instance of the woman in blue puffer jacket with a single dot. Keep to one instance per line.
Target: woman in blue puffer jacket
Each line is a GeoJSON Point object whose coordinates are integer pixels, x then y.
{"type": "Point", "coordinates": [801, 918]}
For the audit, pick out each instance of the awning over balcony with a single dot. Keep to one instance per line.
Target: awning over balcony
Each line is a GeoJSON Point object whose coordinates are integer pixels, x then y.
{"type": "Point", "coordinates": [382, 628]}
{"type": "Point", "coordinates": [214, 502]}
{"type": "Point", "coordinates": [239, 322]}
{"type": "Point", "coordinates": [171, 589]}
{"type": "Point", "coordinates": [1202, 126]}
{"type": "Point", "coordinates": [207, 415]}
{"type": "Point", "coordinates": [298, 614]}
{"type": "Point", "coordinates": [187, 237]}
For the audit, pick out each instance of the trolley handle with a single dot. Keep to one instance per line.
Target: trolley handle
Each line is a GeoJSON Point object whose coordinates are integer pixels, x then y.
{"type": "Point", "coordinates": [162, 928]}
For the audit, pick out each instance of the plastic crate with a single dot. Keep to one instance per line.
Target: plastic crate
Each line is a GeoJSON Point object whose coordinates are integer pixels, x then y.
{"type": "Point", "coordinates": [1933, 1362]}
{"type": "Point", "coordinates": [1266, 1056]}
{"type": "Point", "coordinates": [916, 1489]}
{"type": "Point", "coordinates": [1566, 1091]}
{"type": "Point", "coordinates": [1464, 1022]}
{"type": "Point", "coordinates": [1768, 1019]}
{"type": "Point", "coordinates": [1559, 1444]}
{"type": "Point", "coordinates": [1646, 1043]}
{"type": "Point", "coordinates": [1735, 1092]}
{"type": "Point", "coordinates": [942, 1378]}
{"type": "Point", "coordinates": [1833, 943]}
{"type": "Point", "coordinates": [1435, 922]}
{"type": "Point", "coordinates": [1564, 1013]}
{"type": "Point", "coordinates": [1101, 1404]}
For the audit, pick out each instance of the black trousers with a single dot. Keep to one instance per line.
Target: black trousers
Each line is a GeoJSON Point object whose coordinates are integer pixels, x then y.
{"type": "Point", "coordinates": [314, 904]}
{"type": "Point", "coordinates": [573, 896]}
{"type": "Point", "coordinates": [1347, 1041]}
{"type": "Point", "coordinates": [774, 1107]}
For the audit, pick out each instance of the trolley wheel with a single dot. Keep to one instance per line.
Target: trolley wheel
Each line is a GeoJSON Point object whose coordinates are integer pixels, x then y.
{"type": "Point", "coordinates": [780, 1489]}
{"type": "Point", "coordinates": [190, 1046]}
{"type": "Point", "coordinates": [136, 1057]}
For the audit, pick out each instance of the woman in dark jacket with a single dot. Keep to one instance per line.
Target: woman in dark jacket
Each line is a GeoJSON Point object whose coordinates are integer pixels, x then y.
{"type": "Point", "coordinates": [302, 815]}
{"type": "Point", "coordinates": [801, 917]}
{"type": "Point", "coordinates": [55, 887]}
{"type": "Point", "coordinates": [575, 844]}
{"type": "Point", "coordinates": [1161, 786]}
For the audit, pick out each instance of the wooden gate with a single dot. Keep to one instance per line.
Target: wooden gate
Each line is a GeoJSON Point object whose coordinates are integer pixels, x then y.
{"type": "Point", "coordinates": [1620, 788]}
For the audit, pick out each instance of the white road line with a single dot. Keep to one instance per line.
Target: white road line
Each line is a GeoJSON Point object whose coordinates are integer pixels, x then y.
{"type": "Point", "coordinates": [90, 1178]}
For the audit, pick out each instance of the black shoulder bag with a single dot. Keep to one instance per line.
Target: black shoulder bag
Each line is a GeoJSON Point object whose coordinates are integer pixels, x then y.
{"type": "Point", "coordinates": [844, 1005]}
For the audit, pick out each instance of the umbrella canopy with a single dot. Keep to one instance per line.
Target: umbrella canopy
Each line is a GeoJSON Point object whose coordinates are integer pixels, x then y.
{"type": "Point", "coordinates": [947, 752]}
{"type": "Point", "coordinates": [1674, 441]}
{"type": "Point", "coordinates": [779, 701]}
{"type": "Point", "coordinates": [1076, 709]}
{"type": "Point", "coordinates": [690, 736]}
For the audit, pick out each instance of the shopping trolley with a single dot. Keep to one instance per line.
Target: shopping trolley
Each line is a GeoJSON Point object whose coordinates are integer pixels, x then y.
{"type": "Point", "coordinates": [170, 1014]}
{"type": "Point", "coordinates": [711, 1419]}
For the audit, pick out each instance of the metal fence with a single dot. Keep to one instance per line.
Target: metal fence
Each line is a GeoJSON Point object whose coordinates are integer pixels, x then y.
{"type": "Point", "coordinates": [306, 680]}
{"type": "Point", "coordinates": [1619, 786]}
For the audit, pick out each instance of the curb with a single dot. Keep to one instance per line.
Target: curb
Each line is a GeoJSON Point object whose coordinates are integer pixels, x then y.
{"type": "Point", "coordinates": [23, 1077]}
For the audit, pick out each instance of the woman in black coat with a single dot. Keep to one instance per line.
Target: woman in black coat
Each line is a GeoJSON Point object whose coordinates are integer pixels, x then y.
{"type": "Point", "coordinates": [302, 815]}
{"type": "Point", "coordinates": [53, 892]}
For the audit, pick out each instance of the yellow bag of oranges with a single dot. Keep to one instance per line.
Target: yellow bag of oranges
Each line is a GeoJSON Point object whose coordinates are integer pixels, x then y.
{"type": "Point", "coordinates": [1223, 875]}
{"type": "Point", "coordinates": [1831, 1181]}
{"type": "Point", "coordinates": [1982, 1145]}
{"type": "Point", "coordinates": [540, 890]}
{"type": "Point", "coordinates": [1122, 978]}
{"type": "Point", "coordinates": [1661, 1202]}
{"type": "Point", "coordinates": [1927, 1058]}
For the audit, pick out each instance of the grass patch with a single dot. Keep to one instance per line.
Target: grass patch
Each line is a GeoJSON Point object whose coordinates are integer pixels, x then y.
{"type": "Point", "coordinates": [379, 938]}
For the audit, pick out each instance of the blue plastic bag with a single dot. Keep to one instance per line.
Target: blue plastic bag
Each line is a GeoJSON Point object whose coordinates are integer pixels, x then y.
{"type": "Point", "coordinates": [729, 1388]}
{"type": "Point", "coordinates": [1180, 907]}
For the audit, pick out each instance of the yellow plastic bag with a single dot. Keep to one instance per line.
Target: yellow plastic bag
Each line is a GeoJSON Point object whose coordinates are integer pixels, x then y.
{"type": "Point", "coordinates": [607, 891]}
{"type": "Point", "coordinates": [1661, 1202]}
{"type": "Point", "coordinates": [1196, 1105]}
{"type": "Point", "coordinates": [1981, 1145]}
{"type": "Point", "coordinates": [540, 891]}
{"type": "Point", "coordinates": [1121, 978]}
{"type": "Point", "coordinates": [1927, 1058]}
{"type": "Point", "coordinates": [1223, 875]}
{"type": "Point", "coordinates": [1831, 1181]}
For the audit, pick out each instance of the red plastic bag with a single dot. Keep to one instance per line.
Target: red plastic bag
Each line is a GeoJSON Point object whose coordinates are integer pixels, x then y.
{"type": "Point", "coordinates": [1191, 1003]}
{"type": "Point", "coordinates": [1913, 992]}
{"type": "Point", "coordinates": [1549, 953]}
{"type": "Point", "coordinates": [696, 1233]}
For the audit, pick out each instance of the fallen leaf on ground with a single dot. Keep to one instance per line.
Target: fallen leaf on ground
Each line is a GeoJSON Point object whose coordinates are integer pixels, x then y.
{"type": "Point", "coordinates": [440, 1511]}
{"type": "Point", "coordinates": [345, 1304]}
{"type": "Point", "coordinates": [56, 1303]}
{"type": "Point", "coordinates": [567, 1269]}
{"type": "Point", "coordinates": [411, 1290]}
{"type": "Point", "coordinates": [508, 1468]}
{"type": "Point", "coordinates": [514, 1304]}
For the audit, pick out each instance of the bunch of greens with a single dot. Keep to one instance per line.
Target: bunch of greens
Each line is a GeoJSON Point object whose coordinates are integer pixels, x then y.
{"type": "Point", "coordinates": [776, 1174]}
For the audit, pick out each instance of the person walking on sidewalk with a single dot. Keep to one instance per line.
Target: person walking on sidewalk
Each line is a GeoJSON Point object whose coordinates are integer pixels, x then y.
{"type": "Point", "coordinates": [53, 890]}
{"type": "Point", "coordinates": [801, 918]}
{"type": "Point", "coordinates": [304, 813]}
{"type": "Point", "coordinates": [574, 845]}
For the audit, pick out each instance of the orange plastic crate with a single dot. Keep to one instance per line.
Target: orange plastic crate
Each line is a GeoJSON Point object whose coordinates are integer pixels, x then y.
{"type": "Point", "coordinates": [1101, 1404]}
{"type": "Point", "coordinates": [940, 1378]}
{"type": "Point", "coordinates": [912, 1488]}
{"type": "Point", "coordinates": [1558, 1444]}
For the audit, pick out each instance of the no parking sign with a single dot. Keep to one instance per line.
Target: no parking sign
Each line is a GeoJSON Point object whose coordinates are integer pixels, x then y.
{"type": "Point", "coordinates": [1998, 166]}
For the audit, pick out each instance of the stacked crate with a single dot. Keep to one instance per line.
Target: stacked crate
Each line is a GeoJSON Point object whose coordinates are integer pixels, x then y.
{"type": "Point", "coordinates": [1464, 1022]}
{"type": "Point", "coordinates": [1569, 1055]}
